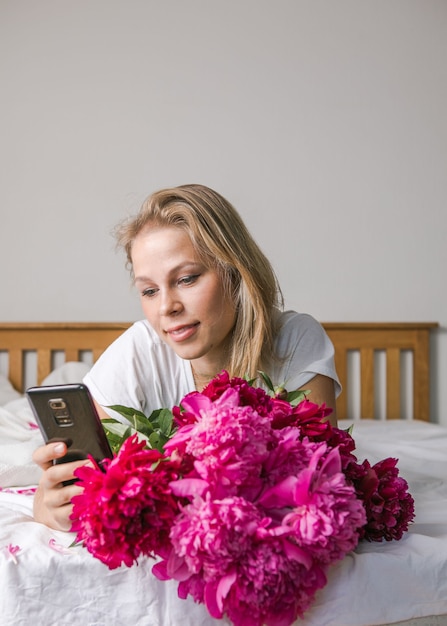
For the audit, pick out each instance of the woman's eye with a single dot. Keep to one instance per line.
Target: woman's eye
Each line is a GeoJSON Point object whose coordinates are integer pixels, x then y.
{"type": "Point", "coordinates": [188, 280]}
{"type": "Point", "coordinates": [147, 293]}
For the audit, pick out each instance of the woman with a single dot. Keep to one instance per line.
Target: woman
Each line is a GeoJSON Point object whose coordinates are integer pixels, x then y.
{"type": "Point", "coordinates": [211, 302]}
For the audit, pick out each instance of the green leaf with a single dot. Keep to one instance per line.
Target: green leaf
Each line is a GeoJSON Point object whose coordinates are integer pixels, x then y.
{"type": "Point", "coordinates": [297, 396]}
{"type": "Point", "coordinates": [142, 425]}
{"type": "Point", "coordinates": [154, 440]}
{"type": "Point", "coordinates": [136, 419]}
{"type": "Point", "coordinates": [165, 419]}
{"type": "Point", "coordinates": [250, 381]}
{"type": "Point", "coordinates": [114, 427]}
{"type": "Point", "coordinates": [127, 412]}
{"type": "Point", "coordinates": [350, 429]}
{"type": "Point", "coordinates": [267, 380]}
{"type": "Point", "coordinates": [116, 432]}
{"type": "Point", "coordinates": [155, 429]}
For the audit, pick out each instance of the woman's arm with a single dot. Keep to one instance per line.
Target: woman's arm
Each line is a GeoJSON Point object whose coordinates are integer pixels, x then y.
{"type": "Point", "coordinates": [101, 412]}
{"type": "Point", "coordinates": [322, 391]}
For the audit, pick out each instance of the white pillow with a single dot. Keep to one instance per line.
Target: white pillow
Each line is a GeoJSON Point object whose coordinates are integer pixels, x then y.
{"type": "Point", "coordinates": [7, 391]}
{"type": "Point", "coordinates": [70, 372]}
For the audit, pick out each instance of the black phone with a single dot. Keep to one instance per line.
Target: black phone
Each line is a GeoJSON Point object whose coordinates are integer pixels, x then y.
{"type": "Point", "coordinates": [67, 413]}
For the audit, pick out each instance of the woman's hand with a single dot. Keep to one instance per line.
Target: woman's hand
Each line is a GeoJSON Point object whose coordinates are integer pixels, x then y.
{"type": "Point", "coordinates": [52, 502]}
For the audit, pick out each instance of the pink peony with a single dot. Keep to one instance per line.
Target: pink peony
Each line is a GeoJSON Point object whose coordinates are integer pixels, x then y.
{"type": "Point", "coordinates": [228, 442]}
{"type": "Point", "coordinates": [237, 567]}
{"type": "Point", "coordinates": [210, 535]}
{"type": "Point", "coordinates": [321, 511]}
{"type": "Point", "coordinates": [287, 457]}
{"type": "Point", "coordinates": [255, 397]}
{"type": "Point", "coordinates": [127, 510]}
{"type": "Point", "coordinates": [270, 586]}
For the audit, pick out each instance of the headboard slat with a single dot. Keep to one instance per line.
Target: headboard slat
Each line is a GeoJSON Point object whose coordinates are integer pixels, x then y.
{"type": "Point", "coordinates": [15, 369]}
{"type": "Point", "coordinates": [71, 354]}
{"type": "Point", "coordinates": [367, 382]}
{"type": "Point", "coordinates": [393, 385]}
{"type": "Point", "coordinates": [421, 388]}
{"type": "Point", "coordinates": [341, 366]}
{"type": "Point", "coordinates": [43, 363]}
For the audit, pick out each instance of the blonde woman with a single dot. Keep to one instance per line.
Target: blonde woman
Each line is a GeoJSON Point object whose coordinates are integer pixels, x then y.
{"type": "Point", "coordinates": [211, 301]}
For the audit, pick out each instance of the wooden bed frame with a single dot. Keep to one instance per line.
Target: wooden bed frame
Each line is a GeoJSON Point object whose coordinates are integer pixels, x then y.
{"type": "Point", "coordinates": [393, 341]}
{"type": "Point", "coordinates": [47, 339]}
{"type": "Point", "coordinates": [367, 340]}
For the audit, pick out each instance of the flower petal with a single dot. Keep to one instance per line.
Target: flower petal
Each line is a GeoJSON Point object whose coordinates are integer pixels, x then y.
{"type": "Point", "coordinates": [189, 487]}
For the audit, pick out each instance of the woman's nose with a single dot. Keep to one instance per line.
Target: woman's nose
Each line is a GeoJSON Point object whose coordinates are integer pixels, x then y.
{"type": "Point", "coordinates": [170, 304]}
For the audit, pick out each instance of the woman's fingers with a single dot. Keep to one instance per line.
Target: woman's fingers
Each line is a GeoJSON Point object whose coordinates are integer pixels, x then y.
{"type": "Point", "coordinates": [45, 455]}
{"type": "Point", "coordinates": [52, 502]}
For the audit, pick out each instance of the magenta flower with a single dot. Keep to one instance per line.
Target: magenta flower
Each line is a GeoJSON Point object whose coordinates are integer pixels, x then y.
{"type": "Point", "coordinates": [228, 442]}
{"type": "Point", "coordinates": [250, 504]}
{"type": "Point", "coordinates": [342, 440]}
{"type": "Point", "coordinates": [127, 510]}
{"type": "Point", "coordinates": [270, 587]}
{"type": "Point", "coordinates": [322, 512]}
{"type": "Point", "coordinates": [237, 567]}
{"type": "Point", "coordinates": [210, 535]}
{"type": "Point", "coordinates": [254, 397]}
{"type": "Point", "coordinates": [307, 415]}
{"type": "Point", "coordinates": [388, 504]}
{"type": "Point", "coordinates": [287, 457]}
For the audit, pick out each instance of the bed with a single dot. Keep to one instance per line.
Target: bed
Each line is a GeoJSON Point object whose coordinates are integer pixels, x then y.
{"type": "Point", "coordinates": [385, 372]}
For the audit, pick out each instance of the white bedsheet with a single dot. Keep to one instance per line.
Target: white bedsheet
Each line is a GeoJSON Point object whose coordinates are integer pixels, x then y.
{"type": "Point", "coordinates": [46, 582]}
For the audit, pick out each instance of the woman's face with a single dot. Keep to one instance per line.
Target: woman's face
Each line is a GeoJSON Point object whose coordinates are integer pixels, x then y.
{"type": "Point", "coordinates": [182, 300]}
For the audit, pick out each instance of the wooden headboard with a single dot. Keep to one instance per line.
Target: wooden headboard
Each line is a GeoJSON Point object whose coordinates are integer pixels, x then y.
{"type": "Point", "coordinates": [48, 339]}
{"type": "Point", "coordinates": [366, 340]}
{"type": "Point", "coordinates": [392, 341]}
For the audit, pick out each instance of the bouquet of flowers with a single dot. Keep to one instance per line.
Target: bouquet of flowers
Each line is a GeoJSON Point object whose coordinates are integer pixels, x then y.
{"type": "Point", "coordinates": [248, 500]}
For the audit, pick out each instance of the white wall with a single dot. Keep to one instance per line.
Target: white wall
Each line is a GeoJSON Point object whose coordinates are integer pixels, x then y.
{"type": "Point", "coordinates": [324, 122]}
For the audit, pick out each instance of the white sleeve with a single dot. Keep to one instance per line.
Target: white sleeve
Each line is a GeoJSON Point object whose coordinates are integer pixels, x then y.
{"type": "Point", "coordinates": [116, 377]}
{"type": "Point", "coordinates": [306, 351]}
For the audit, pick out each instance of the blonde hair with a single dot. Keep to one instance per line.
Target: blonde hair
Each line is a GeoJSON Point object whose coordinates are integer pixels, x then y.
{"type": "Point", "coordinates": [223, 242]}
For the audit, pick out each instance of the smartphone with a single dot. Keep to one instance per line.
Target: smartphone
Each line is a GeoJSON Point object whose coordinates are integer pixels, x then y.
{"type": "Point", "coordinates": [67, 413]}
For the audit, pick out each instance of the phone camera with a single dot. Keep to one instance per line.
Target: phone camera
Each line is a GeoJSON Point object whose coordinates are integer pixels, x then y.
{"type": "Point", "coordinates": [57, 403]}
{"type": "Point", "coordinates": [60, 412]}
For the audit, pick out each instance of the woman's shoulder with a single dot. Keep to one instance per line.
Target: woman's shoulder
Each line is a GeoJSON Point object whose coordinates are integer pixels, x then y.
{"type": "Point", "coordinates": [300, 332]}
{"type": "Point", "coordinates": [304, 350]}
{"type": "Point", "coordinates": [292, 322]}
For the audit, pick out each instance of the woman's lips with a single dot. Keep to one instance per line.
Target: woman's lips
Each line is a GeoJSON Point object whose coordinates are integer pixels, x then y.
{"type": "Point", "coordinates": [181, 333]}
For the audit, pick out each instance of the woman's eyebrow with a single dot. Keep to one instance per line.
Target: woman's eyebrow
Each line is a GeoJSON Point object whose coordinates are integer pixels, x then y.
{"type": "Point", "coordinates": [190, 265]}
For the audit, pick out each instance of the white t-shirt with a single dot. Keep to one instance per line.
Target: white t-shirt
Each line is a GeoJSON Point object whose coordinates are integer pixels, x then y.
{"type": "Point", "coordinates": [141, 371]}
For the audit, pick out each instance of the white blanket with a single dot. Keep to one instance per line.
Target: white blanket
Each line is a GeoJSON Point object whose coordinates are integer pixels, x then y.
{"type": "Point", "coordinates": [44, 581]}
{"type": "Point", "coordinates": [19, 436]}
